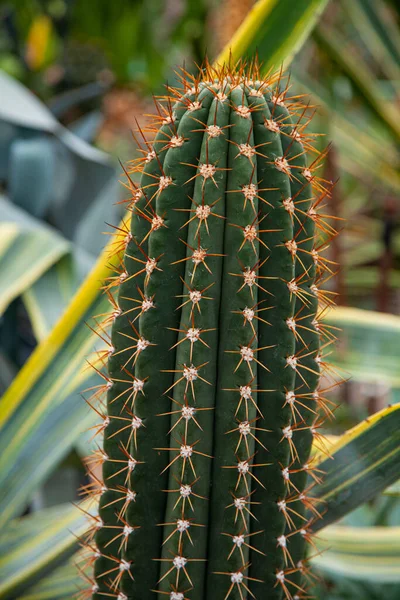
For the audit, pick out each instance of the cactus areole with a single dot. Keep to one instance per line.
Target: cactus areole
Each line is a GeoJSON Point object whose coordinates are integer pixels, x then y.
{"type": "Point", "coordinates": [212, 401]}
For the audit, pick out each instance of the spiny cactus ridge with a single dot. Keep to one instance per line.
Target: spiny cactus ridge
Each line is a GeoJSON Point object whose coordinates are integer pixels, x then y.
{"type": "Point", "coordinates": [211, 374]}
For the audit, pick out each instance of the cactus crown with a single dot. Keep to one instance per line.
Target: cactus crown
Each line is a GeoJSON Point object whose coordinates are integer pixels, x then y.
{"type": "Point", "coordinates": [215, 354]}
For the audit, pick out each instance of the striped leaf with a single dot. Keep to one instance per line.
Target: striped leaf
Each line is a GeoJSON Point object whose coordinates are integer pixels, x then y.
{"type": "Point", "coordinates": [369, 347]}
{"type": "Point", "coordinates": [372, 21]}
{"type": "Point", "coordinates": [276, 29]}
{"type": "Point", "coordinates": [47, 298]}
{"type": "Point", "coordinates": [62, 584]}
{"type": "Point", "coordinates": [365, 460]}
{"type": "Point", "coordinates": [43, 402]}
{"type": "Point", "coordinates": [39, 399]}
{"type": "Point", "coordinates": [362, 77]}
{"type": "Point", "coordinates": [49, 438]}
{"type": "Point", "coordinates": [28, 248]}
{"type": "Point", "coordinates": [364, 553]}
{"type": "Point", "coordinates": [362, 149]}
{"type": "Point", "coordinates": [33, 546]}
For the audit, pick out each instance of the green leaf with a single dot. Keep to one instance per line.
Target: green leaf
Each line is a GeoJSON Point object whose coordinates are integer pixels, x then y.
{"type": "Point", "coordinates": [372, 22]}
{"type": "Point", "coordinates": [31, 547]}
{"type": "Point", "coordinates": [364, 553]}
{"type": "Point", "coordinates": [276, 29]}
{"type": "Point", "coordinates": [62, 584]}
{"type": "Point", "coordinates": [381, 17]}
{"type": "Point", "coordinates": [369, 346]}
{"type": "Point", "coordinates": [48, 436]}
{"type": "Point", "coordinates": [364, 80]}
{"type": "Point", "coordinates": [22, 108]}
{"type": "Point", "coordinates": [28, 248]}
{"type": "Point", "coordinates": [365, 460]}
{"type": "Point", "coordinates": [48, 297]}
{"type": "Point", "coordinates": [77, 172]}
{"type": "Point", "coordinates": [32, 173]}
{"type": "Point", "coordinates": [362, 150]}
{"type": "Point", "coordinates": [41, 414]}
{"type": "Point", "coordinates": [393, 490]}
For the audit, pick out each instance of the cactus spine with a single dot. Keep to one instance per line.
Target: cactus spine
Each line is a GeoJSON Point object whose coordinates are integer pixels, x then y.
{"type": "Point", "coordinates": [214, 359]}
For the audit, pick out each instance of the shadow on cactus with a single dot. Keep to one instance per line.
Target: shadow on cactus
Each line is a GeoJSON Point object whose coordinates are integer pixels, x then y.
{"type": "Point", "coordinates": [216, 351]}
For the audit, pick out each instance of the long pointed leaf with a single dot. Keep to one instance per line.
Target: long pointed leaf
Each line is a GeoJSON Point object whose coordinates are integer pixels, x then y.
{"type": "Point", "coordinates": [51, 438]}
{"type": "Point", "coordinates": [365, 553]}
{"type": "Point", "coordinates": [370, 21]}
{"type": "Point", "coordinates": [49, 296]}
{"type": "Point", "coordinates": [369, 347]}
{"type": "Point", "coordinates": [365, 460]}
{"type": "Point", "coordinates": [62, 584]}
{"type": "Point", "coordinates": [40, 403]}
{"type": "Point", "coordinates": [276, 29]}
{"type": "Point", "coordinates": [27, 249]}
{"type": "Point", "coordinates": [34, 545]}
{"type": "Point", "coordinates": [381, 18]}
{"type": "Point", "coordinates": [361, 76]}
{"type": "Point", "coordinates": [361, 149]}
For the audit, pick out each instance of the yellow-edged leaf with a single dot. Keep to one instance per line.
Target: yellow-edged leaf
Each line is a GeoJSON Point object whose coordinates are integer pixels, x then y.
{"type": "Point", "coordinates": [366, 553]}
{"type": "Point", "coordinates": [27, 249]}
{"type": "Point", "coordinates": [48, 441]}
{"type": "Point", "coordinates": [40, 406]}
{"type": "Point", "coordinates": [87, 302]}
{"type": "Point", "coordinates": [62, 584]}
{"type": "Point", "coordinates": [369, 347]}
{"type": "Point", "coordinates": [364, 461]}
{"type": "Point", "coordinates": [41, 413]}
{"type": "Point", "coordinates": [48, 297]}
{"type": "Point", "coordinates": [276, 29]}
{"type": "Point", "coordinates": [32, 546]}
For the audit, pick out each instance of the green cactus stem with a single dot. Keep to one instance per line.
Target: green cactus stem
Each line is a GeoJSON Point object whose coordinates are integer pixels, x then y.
{"type": "Point", "coordinates": [214, 360]}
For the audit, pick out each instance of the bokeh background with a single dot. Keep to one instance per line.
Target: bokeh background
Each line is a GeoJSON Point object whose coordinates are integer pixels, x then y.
{"type": "Point", "coordinates": [76, 78]}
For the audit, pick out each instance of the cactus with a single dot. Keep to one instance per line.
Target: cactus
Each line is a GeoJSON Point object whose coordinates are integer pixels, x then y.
{"type": "Point", "coordinates": [214, 357]}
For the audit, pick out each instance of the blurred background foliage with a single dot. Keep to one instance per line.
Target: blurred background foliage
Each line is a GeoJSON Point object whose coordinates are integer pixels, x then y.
{"type": "Point", "coordinates": [73, 82]}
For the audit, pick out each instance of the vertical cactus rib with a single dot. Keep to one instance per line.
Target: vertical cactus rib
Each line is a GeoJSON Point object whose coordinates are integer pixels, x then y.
{"type": "Point", "coordinates": [195, 377]}
{"type": "Point", "coordinates": [304, 395]}
{"type": "Point", "coordinates": [302, 328]}
{"type": "Point", "coordinates": [123, 386]}
{"type": "Point", "coordinates": [214, 357]}
{"type": "Point", "coordinates": [236, 415]}
{"type": "Point", "coordinates": [163, 284]}
{"type": "Point", "coordinates": [274, 171]}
